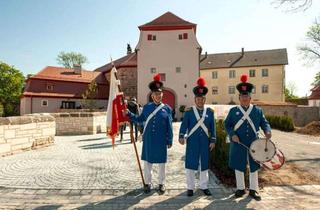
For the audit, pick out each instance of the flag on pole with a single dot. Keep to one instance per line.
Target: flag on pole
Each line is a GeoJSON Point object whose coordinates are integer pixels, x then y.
{"type": "Point", "coordinates": [115, 108]}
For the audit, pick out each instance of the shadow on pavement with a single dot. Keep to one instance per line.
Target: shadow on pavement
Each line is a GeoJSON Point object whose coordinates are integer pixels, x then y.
{"type": "Point", "coordinates": [102, 145]}
{"type": "Point", "coordinates": [49, 207]}
{"type": "Point", "coordinates": [125, 201]}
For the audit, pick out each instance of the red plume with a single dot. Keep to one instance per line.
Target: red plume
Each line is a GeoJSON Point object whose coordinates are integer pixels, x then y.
{"type": "Point", "coordinates": [157, 78]}
{"type": "Point", "coordinates": [201, 82]}
{"type": "Point", "coordinates": [244, 78]}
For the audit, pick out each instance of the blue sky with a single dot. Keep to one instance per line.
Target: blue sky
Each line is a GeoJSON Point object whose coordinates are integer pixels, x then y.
{"type": "Point", "coordinates": [33, 32]}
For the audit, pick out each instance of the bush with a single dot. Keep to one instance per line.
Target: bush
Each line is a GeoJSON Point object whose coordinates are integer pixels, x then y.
{"type": "Point", "coordinates": [283, 123]}
{"type": "Point", "coordinates": [1, 110]}
{"type": "Point", "coordinates": [219, 157]}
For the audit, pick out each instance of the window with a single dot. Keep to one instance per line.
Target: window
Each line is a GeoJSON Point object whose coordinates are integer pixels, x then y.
{"type": "Point", "coordinates": [232, 74]}
{"type": "Point", "coordinates": [49, 86]}
{"type": "Point", "coordinates": [265, 73]}
{"type": "Point", "coordinates": [254, 89]}
{"type": "Point", "coordinates": [163, 77]}
{"type": "Point", "coordinates": [153, 70]}
{"type": "Point", "coordinates": [68, 105]}
{"type": "Point", "coordinates": [232, 90]}
{"type": "Point", "coordinates": [252, 73]}
{"type": "Point", "coordinates": [185, 35]}
{"type": "Point", "coordinates": [178, 69]}
{"type": "Point", "coordinates": [214, 90]}
{"type": "Point", "coordinates": [152, 37]}
{"type": "Point", "coordinates": [214, 75]}
{"type": "Point", "coordinates": [265, 88]}
{"type": "Point", "coordinates": [44, 102]}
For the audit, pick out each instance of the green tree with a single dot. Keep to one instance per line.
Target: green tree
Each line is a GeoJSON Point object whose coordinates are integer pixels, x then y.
{"type": "Point", "coordinates": [11, 84]}
{"type": "Point", "coordinates": [89, 95]}
{"type": "Point", "coordinates": [316, 81]}
{"type": "Point", "coordinates": [311, 49]}
{"type": "Point", "coordinates": [69, 59]}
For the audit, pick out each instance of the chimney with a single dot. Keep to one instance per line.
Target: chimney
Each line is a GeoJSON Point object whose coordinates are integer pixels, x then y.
{"type": "Point", "coordinates": [77, 68]}
{"type": "Point", "coordinates": [129, 50]}
{"type": "Point", "coordinates": [242, 51]}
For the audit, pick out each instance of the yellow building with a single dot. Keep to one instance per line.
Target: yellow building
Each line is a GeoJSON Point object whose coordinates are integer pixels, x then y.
{"type": "Point", "coordinates": [265, 70]}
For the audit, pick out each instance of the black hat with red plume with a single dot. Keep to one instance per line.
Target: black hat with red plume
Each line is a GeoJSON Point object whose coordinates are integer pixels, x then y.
{"type": "Point", "coordinates": [244, 87]}
{"type": "Point", "coordinates": [156, 84]}
{"type": "Point", "coordinates": [200, 89]}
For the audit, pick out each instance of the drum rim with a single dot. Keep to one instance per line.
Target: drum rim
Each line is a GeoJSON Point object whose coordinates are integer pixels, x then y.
{"type": "Point", "coordinates": [275, 151]}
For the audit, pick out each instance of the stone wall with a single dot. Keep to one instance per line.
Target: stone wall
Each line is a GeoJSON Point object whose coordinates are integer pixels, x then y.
{"type": "Point", "coordinates": [25, 132]}
{"type": "Point", "coordinates": [80, 123]}
{"type": "Point", "coordinates": [301, 115]}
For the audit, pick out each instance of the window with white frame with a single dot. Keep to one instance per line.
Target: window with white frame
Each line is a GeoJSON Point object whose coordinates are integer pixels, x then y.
{"type": "Point", "coordinates": [178, 69]}
{"type": "Point", "coordinates": [253, 90]}
{"type": "Point", "coordinates": [265, 73]}
{"type": "Point", "coordinates": [214, 75]}
{"type": "Point", "coordinates": [252, 73]}
{"type": "Point", "coordinates": [232, 90]}
{"type": "Point", "coordinates": [214, 90]}
{"type": "Point", "coordinates": [265, 89]}
{"type": "Point", "coordinates": [44, 102]}
{"type": "Point", "coordinates": [163, 77]}
{"type": "Point", "coordinates": [153, 70]}
{"type": "Point", "coordinates": [232, 73]}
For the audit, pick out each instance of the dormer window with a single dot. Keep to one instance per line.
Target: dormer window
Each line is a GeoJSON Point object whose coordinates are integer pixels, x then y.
{"type": "Point", "coordinates": [49, 86]}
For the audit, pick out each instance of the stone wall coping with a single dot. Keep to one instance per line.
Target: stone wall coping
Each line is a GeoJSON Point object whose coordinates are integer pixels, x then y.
{"type": "Point", "coordinates": [78, 114]}
{"type": "Point", "coordinates": [26, 119]}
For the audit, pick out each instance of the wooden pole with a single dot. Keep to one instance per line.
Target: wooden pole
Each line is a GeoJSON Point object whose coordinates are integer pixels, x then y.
{"type": "Point", "coordinates": [133, 140]}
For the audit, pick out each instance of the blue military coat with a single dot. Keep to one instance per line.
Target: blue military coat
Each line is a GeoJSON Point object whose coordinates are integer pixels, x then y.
{"type": "Point", "coordinates": [238, 154]}
{"type": "Point", "coordinates": [158, 133]}
{"type": "Point", "coordinates": [198, 143]}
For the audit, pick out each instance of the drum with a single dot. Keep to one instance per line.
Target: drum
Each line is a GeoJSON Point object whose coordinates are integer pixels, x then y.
{"type": "Point", "coordinates": [262, 150]}
{"type": "Point", "coordinates": [265, 153]}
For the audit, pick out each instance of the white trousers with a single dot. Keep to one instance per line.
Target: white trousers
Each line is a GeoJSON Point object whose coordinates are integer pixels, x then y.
{"type": "Point", "coordinates": [203, 179]}
{"type": "Point", "coordinates": [147, 172]}
{"type": "Point", "coordinates": [253, 180]}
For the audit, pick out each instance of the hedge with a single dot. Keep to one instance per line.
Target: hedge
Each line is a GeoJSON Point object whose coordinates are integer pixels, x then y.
{"type": "Point", "coordinates": [283, 123]}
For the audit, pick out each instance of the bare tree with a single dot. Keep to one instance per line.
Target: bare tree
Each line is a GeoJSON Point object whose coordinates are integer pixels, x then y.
{"type": "Point", "coordinates": [293, 5]}
{"type": "Point", "coordinates": [311, 49]}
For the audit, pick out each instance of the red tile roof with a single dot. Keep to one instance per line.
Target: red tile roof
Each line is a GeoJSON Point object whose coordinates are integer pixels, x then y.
{"type": "Point", "coordinates": [315, 94]}
{"type": "Point", "coordinates": [64, 74]}
{"type": "Point", "coordinates": [126, 61]}
{"type": "Point", "coordinates": [167, 21]}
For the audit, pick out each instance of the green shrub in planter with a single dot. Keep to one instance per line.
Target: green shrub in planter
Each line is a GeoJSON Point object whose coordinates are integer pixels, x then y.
{"type": "Point", "coordinates": [283, 123]}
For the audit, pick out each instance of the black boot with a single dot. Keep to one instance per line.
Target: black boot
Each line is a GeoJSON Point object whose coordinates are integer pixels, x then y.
{"type": "Point", "coordinates": [239, 193]}
{"type": "Point", "coordinates": [206, 192]}
{"type": "Point", "coordinates": [190, 193]}
{"type": "Point", "coordinates": [147, 188]}
{"type": "Point", "coordinates": [162, 189]}
{"type": "Point", "coordinates": [255, 195]}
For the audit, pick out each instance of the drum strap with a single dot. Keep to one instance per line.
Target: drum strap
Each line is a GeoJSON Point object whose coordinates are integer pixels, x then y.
{"type": "Point", "coordinates": [200, 121]}
{"type": "Point", "coordinates": [245, 117]}
{"type": "Point", "coordinates": [152, 115]}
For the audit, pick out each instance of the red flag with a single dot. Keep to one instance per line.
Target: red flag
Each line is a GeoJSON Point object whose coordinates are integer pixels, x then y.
{"type": "Point", "coordinates": [116, 106]}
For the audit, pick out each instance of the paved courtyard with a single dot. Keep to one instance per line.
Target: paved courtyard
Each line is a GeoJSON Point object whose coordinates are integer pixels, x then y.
{"type": "Point", "coordinates": [85, 172]}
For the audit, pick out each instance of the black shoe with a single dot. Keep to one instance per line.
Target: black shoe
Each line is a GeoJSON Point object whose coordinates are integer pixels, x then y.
{"type": "Point", "coordinates": [239, 193]}
{"type": "Point", "coordinates": [255, 195]}
{"type": "Point", "coordinates": [147, 188]}
{"type": "Point", "coordinates": [161, 189]}
{"type": "Point", "coordinates": [190, 193]}
{"type": "Point", "coordinates": [206, 192]}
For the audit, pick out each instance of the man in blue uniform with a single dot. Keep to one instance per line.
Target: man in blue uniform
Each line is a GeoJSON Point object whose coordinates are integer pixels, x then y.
{"type": "Point", "coordinates": [242, 124]}
{"type": "Point", "coordinates": [157, 135]}
{"type": "Point", "coordinates": [199, 133]}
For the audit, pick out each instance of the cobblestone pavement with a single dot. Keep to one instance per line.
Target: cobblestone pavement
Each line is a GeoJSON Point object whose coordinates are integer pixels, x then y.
{"type": "Point", "coordinates": [85, 172]}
